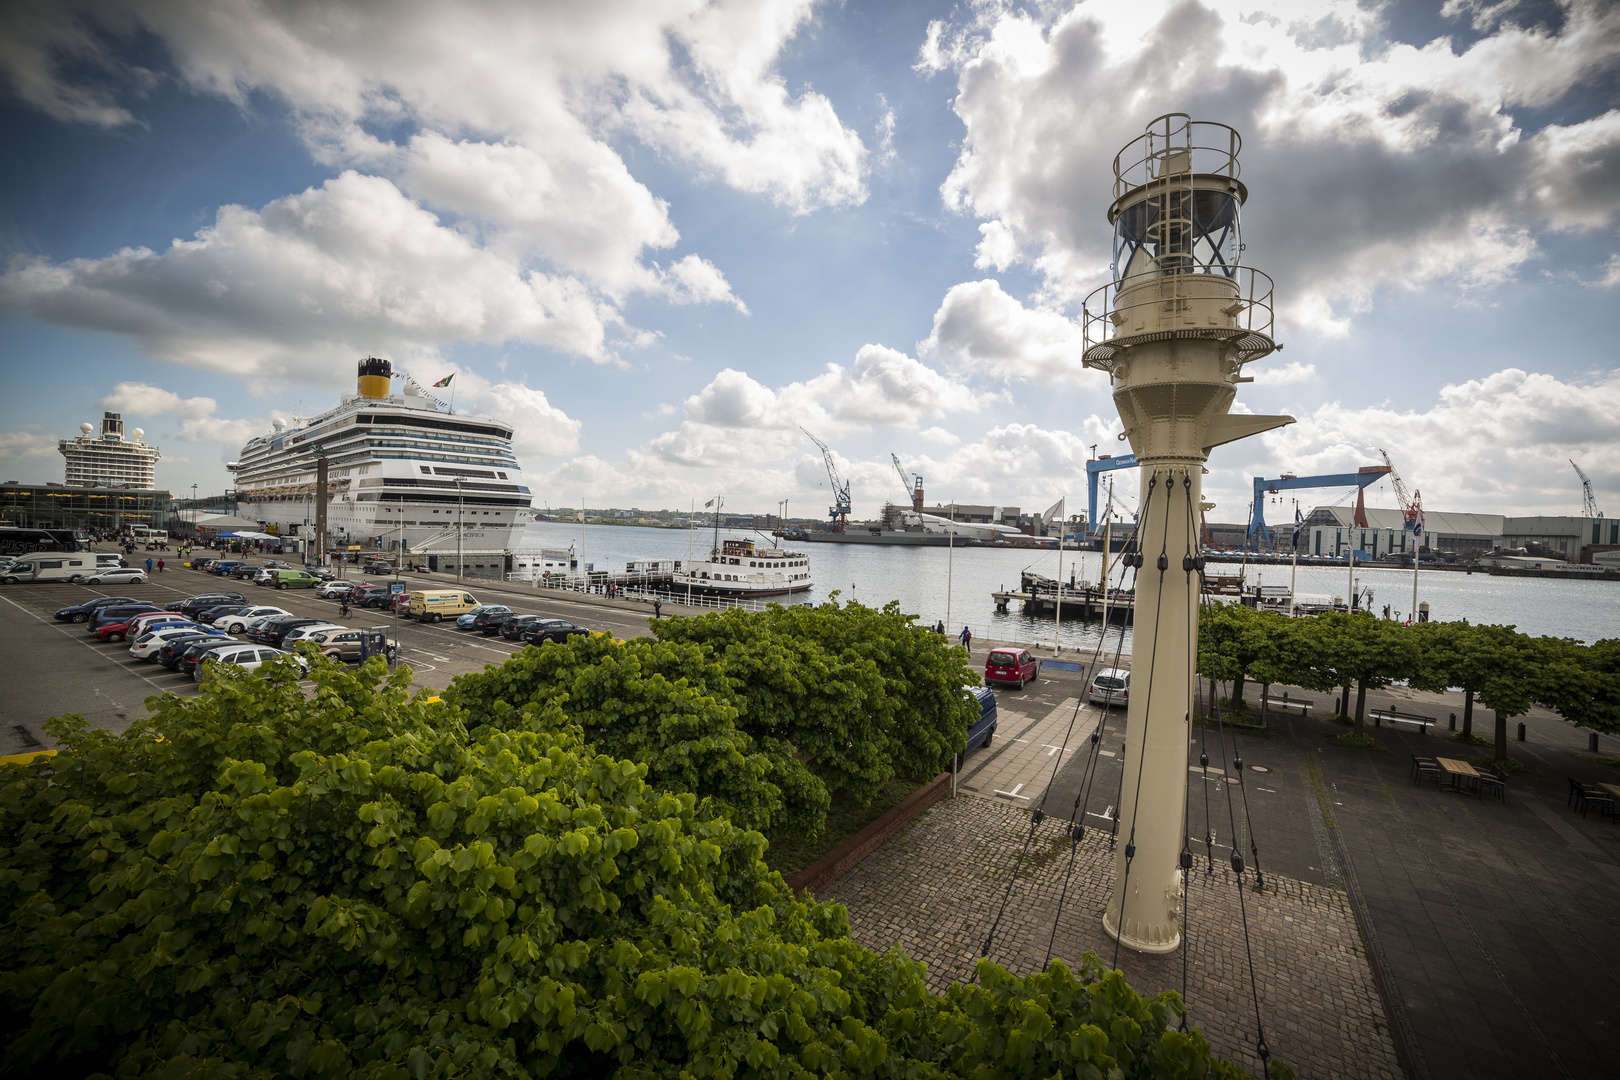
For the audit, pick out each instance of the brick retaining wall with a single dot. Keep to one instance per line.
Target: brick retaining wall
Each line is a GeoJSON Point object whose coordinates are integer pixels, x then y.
{"type": "Point", "coordinates": [843, 858]}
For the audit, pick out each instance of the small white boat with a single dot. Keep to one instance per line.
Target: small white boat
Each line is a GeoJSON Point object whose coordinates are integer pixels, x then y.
{"type": "Point", "coordinates": [739, 568]}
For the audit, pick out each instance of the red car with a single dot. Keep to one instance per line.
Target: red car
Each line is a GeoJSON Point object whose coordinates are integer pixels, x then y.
{"type": "Point", "coordinates": [118, 631]}
{"type": "Point", "coordinates": [1011, 667]}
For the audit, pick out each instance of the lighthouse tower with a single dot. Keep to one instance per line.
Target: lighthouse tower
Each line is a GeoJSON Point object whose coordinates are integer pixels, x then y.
{"type": "Point", "coordinates": [1173, 330]}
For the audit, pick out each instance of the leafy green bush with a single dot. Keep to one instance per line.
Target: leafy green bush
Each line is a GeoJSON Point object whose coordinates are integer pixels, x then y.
{"type": "Point", "coordinates": [260, 882]}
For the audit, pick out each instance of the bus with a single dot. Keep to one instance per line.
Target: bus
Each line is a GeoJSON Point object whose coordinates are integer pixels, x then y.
{"type": "Point", "coordinates": [18, 541]}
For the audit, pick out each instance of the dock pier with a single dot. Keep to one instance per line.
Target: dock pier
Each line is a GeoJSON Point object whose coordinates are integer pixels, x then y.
{"type": "Point", "coordinates": [1078, 602]}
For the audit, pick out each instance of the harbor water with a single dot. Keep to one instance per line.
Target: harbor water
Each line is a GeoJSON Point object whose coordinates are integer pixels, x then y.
{"type": "Point", "coordinates": [956, 585]}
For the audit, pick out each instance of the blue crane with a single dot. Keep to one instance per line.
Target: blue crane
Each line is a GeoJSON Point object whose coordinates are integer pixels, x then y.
{"type": "Point", "coordinates": [1094, 468]}
{"type": "Point", "coordinates": [1359, 479]}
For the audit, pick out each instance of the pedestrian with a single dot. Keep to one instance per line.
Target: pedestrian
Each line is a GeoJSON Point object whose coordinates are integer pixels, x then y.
{"type": "Point", "coordinates": [967, 640]}
{"type": "Point", "coordinates": [160, 566]}
{"type": "Point", "coordinates": [658, 606]}
{"type": "Point", "coordinates": [148, 566]}
{"type": "Point", "coordinates": [939, 628]}
{"type": "Point", "coordinates": [343, 605]}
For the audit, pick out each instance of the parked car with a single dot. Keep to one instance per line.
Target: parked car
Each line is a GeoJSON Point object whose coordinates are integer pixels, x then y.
{"type": "Point", "coordinates": [369, 596]}
{"type": "Point", "coordinates": [226, 566]}
{"type": "Point", "coordinates": [379, 568]}
{"type": "Point", "coordinates": [299, 633]}
{"type": "Point", "coordinates": [295, 579]}
{"type": "Point", "coordinates": [982, 729]}
{"type": "Point", "coordinates": [480, 619]}
{"type": "Point", "coordinates": [558, 630]}
{"type": "Point", "coordinates": [1112, 686]}
{"type": "Point", "coordinates": [469, 620]}
{"type": "Point", "coordinates": [200, 564]}
{"type": "Point", "coordinates": [237, 622]}
{"type": "Point", "coordinates": [198, 649]}
{"type": "Point", "coordinates": [118, 613]}
{"type": "Point", "coordinates": [275, 631]}
{"type": "Point", "coordinates": [147, 646]}
{"type": "Point", "coordinates": [142, 623]}
{"type": "Point", "coordinates": [119, 631]}
{"type": "Point", "coordinates": [336, 588]}
{"type": "Point", "coordinates": [247, 657]}
{"type": "Point", "coordinates": [202, 601]}
{"type": "Point", "coordinates": [209, 614]}
{"type": "Point", "coordinates": [118, 576]}
{"type": "Point", "coordinates": [1011, 667]}
{"type": "Point", "coordinates": [400, 602]}
{"type": "Point", "coordinates": [347, 645]}
{"type": "Point", "coordinates": [321, 572]}
{"type": "Point", "coordinates": [277, 564]}
{"type": "Point", "coordinates": [82, 612]}
{"type": "Point", "coordinates": [517, 627]}
{"type": "Point", "coordinates": [171, 651]}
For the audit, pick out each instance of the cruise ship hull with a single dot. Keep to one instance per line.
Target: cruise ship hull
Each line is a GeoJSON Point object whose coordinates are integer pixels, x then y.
{"type": "Point", "coordinates": [888, 537]}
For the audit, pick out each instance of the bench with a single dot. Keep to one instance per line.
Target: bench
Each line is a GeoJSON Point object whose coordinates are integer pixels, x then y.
{"type": "Point", "coordinates": [1381, 715]}
{"type": "Point", "coordinates": [1283, 703]}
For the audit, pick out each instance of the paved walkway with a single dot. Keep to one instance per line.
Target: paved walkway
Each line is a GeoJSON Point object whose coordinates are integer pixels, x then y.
{"type": "Point", "coordinates": [935, 888]}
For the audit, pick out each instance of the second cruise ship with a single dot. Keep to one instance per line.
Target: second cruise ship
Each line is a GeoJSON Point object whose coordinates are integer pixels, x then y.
{"type": "Point", "coordinates": [401, 466]}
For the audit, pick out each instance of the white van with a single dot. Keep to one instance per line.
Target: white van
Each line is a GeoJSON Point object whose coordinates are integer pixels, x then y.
{"type": "Point", "coordinates": [75, 566]}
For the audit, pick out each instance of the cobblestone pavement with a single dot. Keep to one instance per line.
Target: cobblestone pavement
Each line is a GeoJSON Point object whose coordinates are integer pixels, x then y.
{"type": "Point", "coordinates": [934, 889]}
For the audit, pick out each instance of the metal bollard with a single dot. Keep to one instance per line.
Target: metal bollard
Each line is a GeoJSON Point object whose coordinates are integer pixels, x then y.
{"type": "Point", "coordinates": [1453, 721]}
{"type": "Point", "coordinates": [1591, 742]}
{"type": "Point", "coordinates": [1521, 731]}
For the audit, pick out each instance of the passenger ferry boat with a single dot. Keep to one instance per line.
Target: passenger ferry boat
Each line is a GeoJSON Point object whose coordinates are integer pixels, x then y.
{"type": "Point", "coordinates": [401, 467]}
{"type": "Point", "coordinates": [738, 568]}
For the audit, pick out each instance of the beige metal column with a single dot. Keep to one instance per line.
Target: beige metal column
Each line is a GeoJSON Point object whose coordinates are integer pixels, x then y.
{"type": "Point", "coordinates": [1173, 331]}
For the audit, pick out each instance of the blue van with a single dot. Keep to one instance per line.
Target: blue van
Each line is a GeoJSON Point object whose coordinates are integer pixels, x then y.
{"type": "Point", "coordinates": [983, 729]}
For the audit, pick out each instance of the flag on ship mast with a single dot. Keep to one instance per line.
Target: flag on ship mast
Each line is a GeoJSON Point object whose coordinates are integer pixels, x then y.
{"type": "Point", "coordinates": [446, 380]}
{"type": "Point", "coordinates": [1299, 523]}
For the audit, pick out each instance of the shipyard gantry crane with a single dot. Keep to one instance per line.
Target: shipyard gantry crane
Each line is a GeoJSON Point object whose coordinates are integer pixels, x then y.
{"type": "Point", "coordinates": [1411, 504]}
{"type": "Point", "coordinates": [912, 483]}
{"type": "Point", "coordinates": [1589, 506]}
{"type": "Point", "coordinates": [1260, 536]}
{"type": "Point", "coordinates": [1094, 468]}
{"type": "Point", "coordinates": [839, 510]}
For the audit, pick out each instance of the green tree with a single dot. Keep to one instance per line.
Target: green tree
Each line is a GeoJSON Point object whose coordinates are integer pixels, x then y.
{"type": "Point", "coordinates": [1582, 682]}
{"type": "Point", "coordinates": [1354, 648]}
{"type": "Point", "coordinates": [863, 693]}
{"type": "Point", "coordinates": [257, 881]}
{"type": "Point", "coordinates": [1453, 654]}
{"type": "Point", "coordinates": [1514, 679]}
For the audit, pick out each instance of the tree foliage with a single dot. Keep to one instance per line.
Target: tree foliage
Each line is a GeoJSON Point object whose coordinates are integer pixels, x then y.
{"type": "Point", "coordinates": [262, 882]}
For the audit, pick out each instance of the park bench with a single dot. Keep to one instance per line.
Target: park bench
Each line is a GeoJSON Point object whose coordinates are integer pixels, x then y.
{"type": "Point", "coordinates": [1283, 703]}
{"type": "Point", "coordinates": [1394, 717]}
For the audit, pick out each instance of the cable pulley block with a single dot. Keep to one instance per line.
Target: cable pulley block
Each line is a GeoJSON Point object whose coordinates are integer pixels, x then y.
{"type": "Point", "coordinates": [1203, 759]}
{"type": "Point", "coordinates": [1078, 832]}
{"type": "Point", "coordinates": [1186, 860]}
{"type": "Point", "coordinates": [1164, 562]}
{"type": "Point", "coordinates": [1040, 815]}
{"type": "Point", "coordinates": [1130, 850]}
{"type": "Point", "coordinates": [1237, 862]}
{"type": "Point", "coordinates": [1096, 736]}
{"type": "Point", "coordinates": [1188, 564]}
{"type": "Point", "coordinates": [1237, 763]}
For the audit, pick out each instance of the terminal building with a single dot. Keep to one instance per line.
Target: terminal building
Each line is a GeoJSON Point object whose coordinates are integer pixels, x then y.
{"type": "Point", "coordinates": [108, 458]}
{"type": "Point", "coordinates": [1332, 531]}
{"type": "Point", "coordinates": [74, 506]}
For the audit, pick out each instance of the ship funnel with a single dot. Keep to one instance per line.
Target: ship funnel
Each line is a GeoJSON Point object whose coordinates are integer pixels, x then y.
{"type": "Point", "coordinates": [374, 376]}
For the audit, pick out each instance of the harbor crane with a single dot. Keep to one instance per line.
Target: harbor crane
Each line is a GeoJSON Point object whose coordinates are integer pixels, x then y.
{"type": "Point", "coordinates": [912, 483]}
{"type": "Point", "coordinates": [1589, 506]}
{"type": "Point", "coordinates": [1094, 468]}
{"type": "Point", "coordinates": [1260, 536]}
{"type": "Point", "coordinates": [839, 510]}
{"type": "Point", "coordinates": [1411, 504]}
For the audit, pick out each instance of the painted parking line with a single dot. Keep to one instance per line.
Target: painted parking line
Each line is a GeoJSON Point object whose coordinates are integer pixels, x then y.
{"type": "Point", "coordinates": [1013, 794]}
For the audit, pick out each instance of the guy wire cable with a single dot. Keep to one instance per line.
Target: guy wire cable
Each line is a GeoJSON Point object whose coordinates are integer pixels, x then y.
{"type": "Point", "coordinates": [1038, 816]}
{"type": "Point", "coordinates": [1237, 753]}
{"type": "Point", "coordinates": [1077, 829]}
{"type": "Point", "coordinates": [1147, 709]}
{"type": "Point", "coordinates": [1261, 1048]}
{"type": "Point", "coordinates": [1189, 564]}
{"type": "Point", "coordinates": [1133, 560]}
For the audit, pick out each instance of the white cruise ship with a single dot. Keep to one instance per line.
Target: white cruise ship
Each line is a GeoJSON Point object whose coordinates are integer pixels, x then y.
{"type": "Point", "coordinates": [401, 466]}
{"type": "Point", "coordinates": [737, 568]}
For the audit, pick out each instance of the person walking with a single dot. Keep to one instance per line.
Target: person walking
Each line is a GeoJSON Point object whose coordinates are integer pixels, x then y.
{"type": "Point", "coordinates": [939, 628]}
{"type": "Point", "coordinates": [160, 566]}
{"type": "Point", "coordinates": [148, 566]}
{"type": "Point", "coordinates": [967, 640]}
{"type": "Point", "coordinates": [658, 606]}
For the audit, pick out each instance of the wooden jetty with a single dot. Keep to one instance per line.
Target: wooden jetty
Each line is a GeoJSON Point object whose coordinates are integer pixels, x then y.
{"type": "Point", "coordinates": [1078, 602]}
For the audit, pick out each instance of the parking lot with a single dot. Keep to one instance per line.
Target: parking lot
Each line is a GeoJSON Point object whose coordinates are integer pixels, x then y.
{"type": "Point", "coordinates": [65, 670]}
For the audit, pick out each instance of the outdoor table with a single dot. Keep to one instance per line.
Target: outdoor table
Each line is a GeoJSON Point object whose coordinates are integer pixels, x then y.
{"type": "Point", "coordinates": [1460, 771]}
{"type": "Point", "coordinates": [1612, 789]}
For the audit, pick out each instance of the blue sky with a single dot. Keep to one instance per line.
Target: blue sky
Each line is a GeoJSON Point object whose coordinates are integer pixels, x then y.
{"type": "Point", "coordinates": [659, 238]}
